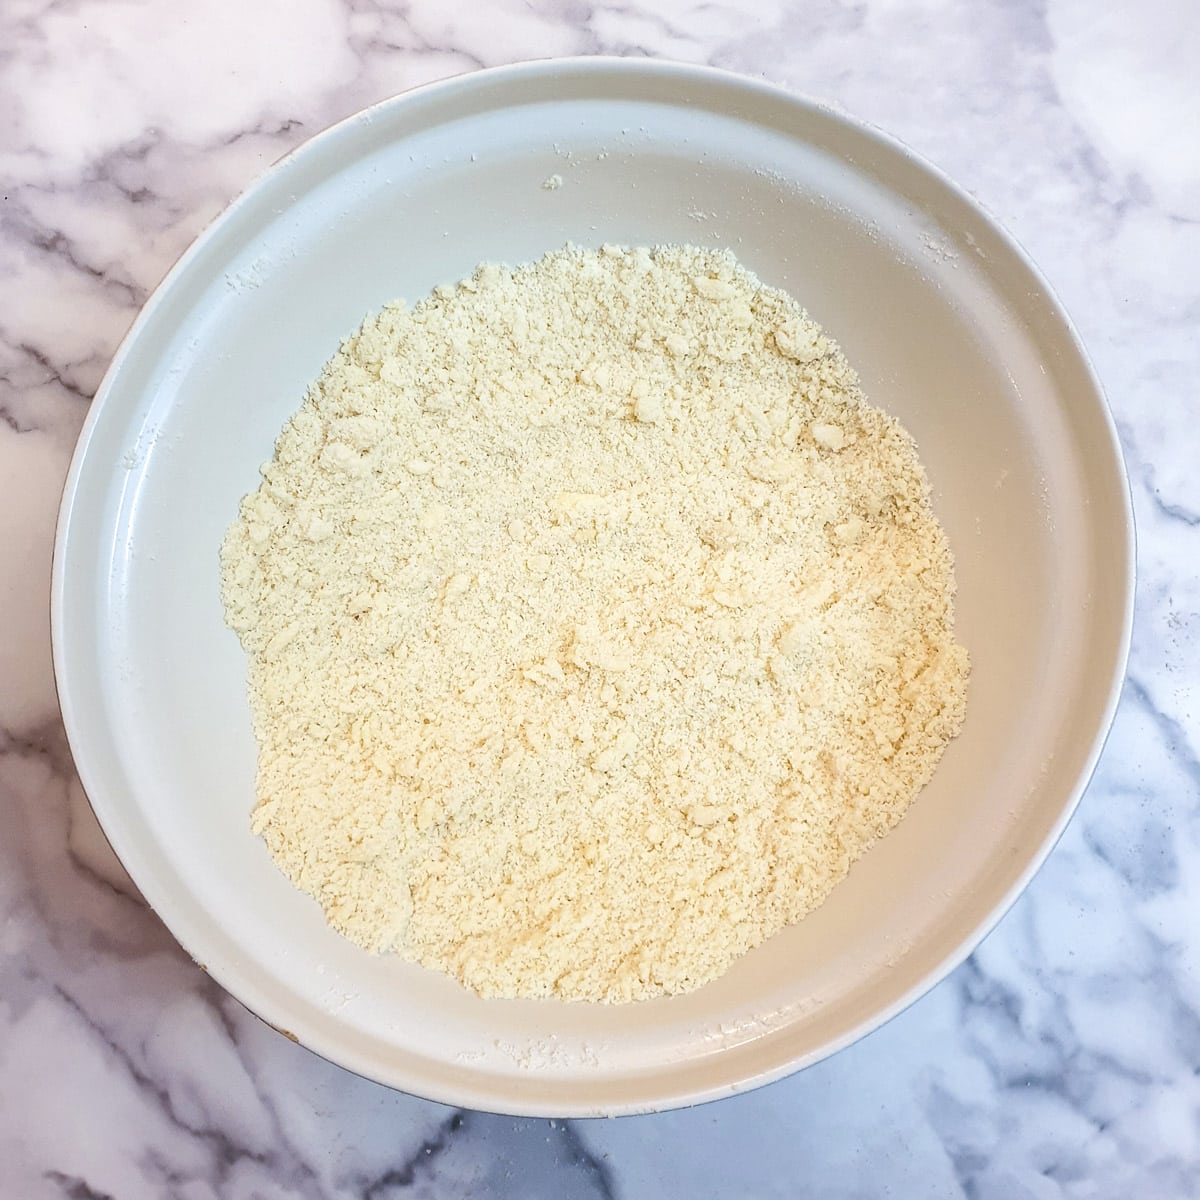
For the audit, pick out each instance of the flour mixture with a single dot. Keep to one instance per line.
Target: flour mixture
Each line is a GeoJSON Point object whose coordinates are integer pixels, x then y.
{"type": "Point", "coordinates": [596, 625]}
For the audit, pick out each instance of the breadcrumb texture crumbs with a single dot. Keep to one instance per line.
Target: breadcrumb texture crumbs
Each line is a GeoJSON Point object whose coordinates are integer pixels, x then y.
{"type": "Point", "coordinates": [596, 625]}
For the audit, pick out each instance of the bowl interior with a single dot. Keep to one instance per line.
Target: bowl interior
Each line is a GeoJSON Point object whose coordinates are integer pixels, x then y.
{"type": "Point", "coordinates": [950, 331]}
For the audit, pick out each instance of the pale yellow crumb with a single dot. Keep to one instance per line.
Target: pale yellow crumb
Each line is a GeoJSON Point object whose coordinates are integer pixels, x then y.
{"type": "Point", "coordinates": [595, 622]}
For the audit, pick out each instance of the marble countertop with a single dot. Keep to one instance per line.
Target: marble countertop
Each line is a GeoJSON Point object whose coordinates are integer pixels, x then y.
{"type": "Point", "coordinates": [1061, 1060]}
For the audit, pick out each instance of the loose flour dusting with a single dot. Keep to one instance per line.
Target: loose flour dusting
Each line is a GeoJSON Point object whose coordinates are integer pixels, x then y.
{"type": "Point", "coordinates": [596, 624]}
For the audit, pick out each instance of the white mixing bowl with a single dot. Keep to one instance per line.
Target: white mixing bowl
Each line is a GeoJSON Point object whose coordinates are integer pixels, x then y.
{"type": "Point", "coordinates": [952, 330]}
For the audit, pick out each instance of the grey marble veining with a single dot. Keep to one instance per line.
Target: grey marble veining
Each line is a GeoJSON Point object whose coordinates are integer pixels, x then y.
{"type": "Point", "coordinates": [1062, 1060]}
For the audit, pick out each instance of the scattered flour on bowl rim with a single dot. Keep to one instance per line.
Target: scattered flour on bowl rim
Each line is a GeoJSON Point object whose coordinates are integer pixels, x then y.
{"type": "Point", "coordinates": [596, 624]}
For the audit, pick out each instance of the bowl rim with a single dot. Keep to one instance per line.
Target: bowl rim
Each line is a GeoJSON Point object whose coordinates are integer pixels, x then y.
{"type": "Point", "coordinates": [545, 71]}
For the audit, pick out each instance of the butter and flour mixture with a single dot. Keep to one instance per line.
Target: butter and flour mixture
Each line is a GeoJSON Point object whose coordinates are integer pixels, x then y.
{"type": "Point", "coordinates": [596, 624]}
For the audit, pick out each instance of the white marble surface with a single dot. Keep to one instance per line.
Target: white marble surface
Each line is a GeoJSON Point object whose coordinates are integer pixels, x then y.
{"type": "Point", "coordinates": [1063, 1059]}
